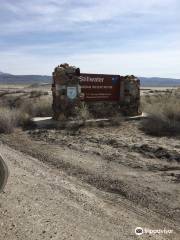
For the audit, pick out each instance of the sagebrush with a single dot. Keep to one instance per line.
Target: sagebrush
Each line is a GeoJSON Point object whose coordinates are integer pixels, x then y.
{"type": "Point", "coordinates": [39, 108]}
{"type": "Point", "coordinates": [163, 113]}
{"type": "Point", "coordinates": [12, 118]}
{"type": "Point", "coordinates": [17, 111]}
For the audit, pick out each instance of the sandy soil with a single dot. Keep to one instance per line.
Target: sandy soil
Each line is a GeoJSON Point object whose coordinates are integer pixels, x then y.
{"type": "Point", "coordinates": [90, 183]}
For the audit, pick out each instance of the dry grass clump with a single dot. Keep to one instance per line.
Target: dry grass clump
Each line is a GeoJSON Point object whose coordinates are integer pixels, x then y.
{"type": "Point", "coordinates": [39, 108]}
{"type": "Point", "coordinates": [20, 116]}
{"type": "Point", "coordinates": [103, 109]}
{"type": "Point", "coordinates": [38, 93]}
{"type": "Point", "coordinates": [82, 111]}
{"type": "Point", "coordinates": [164, 114]}
{"type": "Point", "coordinates": [12, 118]}
{"type": "Point", "coordinates": [18, 109]}
{"type": "Point", "coordinates": [8, 120]}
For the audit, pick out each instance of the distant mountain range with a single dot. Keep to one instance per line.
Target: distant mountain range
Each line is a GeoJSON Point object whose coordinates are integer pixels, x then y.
{"type": "Point", "coordinates": [6, 78]}
{"type": "Point", "coordinates": [159, 82]}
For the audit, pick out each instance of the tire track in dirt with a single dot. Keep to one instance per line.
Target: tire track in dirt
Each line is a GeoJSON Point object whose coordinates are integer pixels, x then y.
{"type": "Point", "coordinates": [41, 189]}
{"type": "Point", "coordinates": [113, 202]}
{"type": "Point", "coordinates": [96, 169]}
{"type": "Point", "coordinates": [118, 188]}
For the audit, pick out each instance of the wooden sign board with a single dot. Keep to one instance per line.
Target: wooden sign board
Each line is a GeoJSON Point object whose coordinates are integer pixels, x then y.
{"type": "Point", "coordinates": [100, 87]}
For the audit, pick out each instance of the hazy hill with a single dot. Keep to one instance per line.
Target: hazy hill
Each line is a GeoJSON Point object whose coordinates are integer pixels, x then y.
{"type": "Point", "coordinates": [159, 82]}
{"type": "Point", "coordinates": [6, 78]}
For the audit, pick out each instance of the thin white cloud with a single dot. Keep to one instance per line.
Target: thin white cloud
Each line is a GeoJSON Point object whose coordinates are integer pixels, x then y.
{"type": "Point", "coordinates": [49, 15]}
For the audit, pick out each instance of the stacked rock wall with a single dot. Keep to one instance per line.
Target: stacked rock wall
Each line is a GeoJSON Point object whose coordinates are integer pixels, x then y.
{"type": "Point", "coordinates": [65, 90]}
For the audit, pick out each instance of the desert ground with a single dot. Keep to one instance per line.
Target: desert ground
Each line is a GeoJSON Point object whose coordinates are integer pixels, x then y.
{"type": "Point", "coordinates": [98, 181]}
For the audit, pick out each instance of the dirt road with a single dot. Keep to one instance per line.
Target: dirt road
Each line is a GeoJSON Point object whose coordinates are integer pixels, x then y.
{"type": "Point", "coordinates": [42, 202]}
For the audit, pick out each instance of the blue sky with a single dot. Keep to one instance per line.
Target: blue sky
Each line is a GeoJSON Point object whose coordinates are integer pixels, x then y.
{"type": "Point", "coordinates": [113, 36]}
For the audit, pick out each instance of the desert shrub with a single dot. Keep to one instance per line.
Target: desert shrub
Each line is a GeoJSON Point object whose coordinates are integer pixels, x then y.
{"type": "Point", "coordinates": [103, 109]}
{"type": "Point", "coordinates": [39, 108]}
{"type": "Point", "coordinates": [12, 118]}
{"type": "Point", "coordinates": [43, 108]}
{"type": "Point", "coordinates": [8, 101]}
{"type": "Point", "coordinates": [17, 112]}
{"type": "Point", "coordinates": [24, 120]}
{"type": "Point", "coordinates": [8, 120]}
{"type": "Point", "coordinates": [39, 93]}
{"type": "Point", "coordinates": [82, 111]}
{"type": "Point", "coordinates": [13, 100]}
{"type": "Point", "coordinates": [163, 114]}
